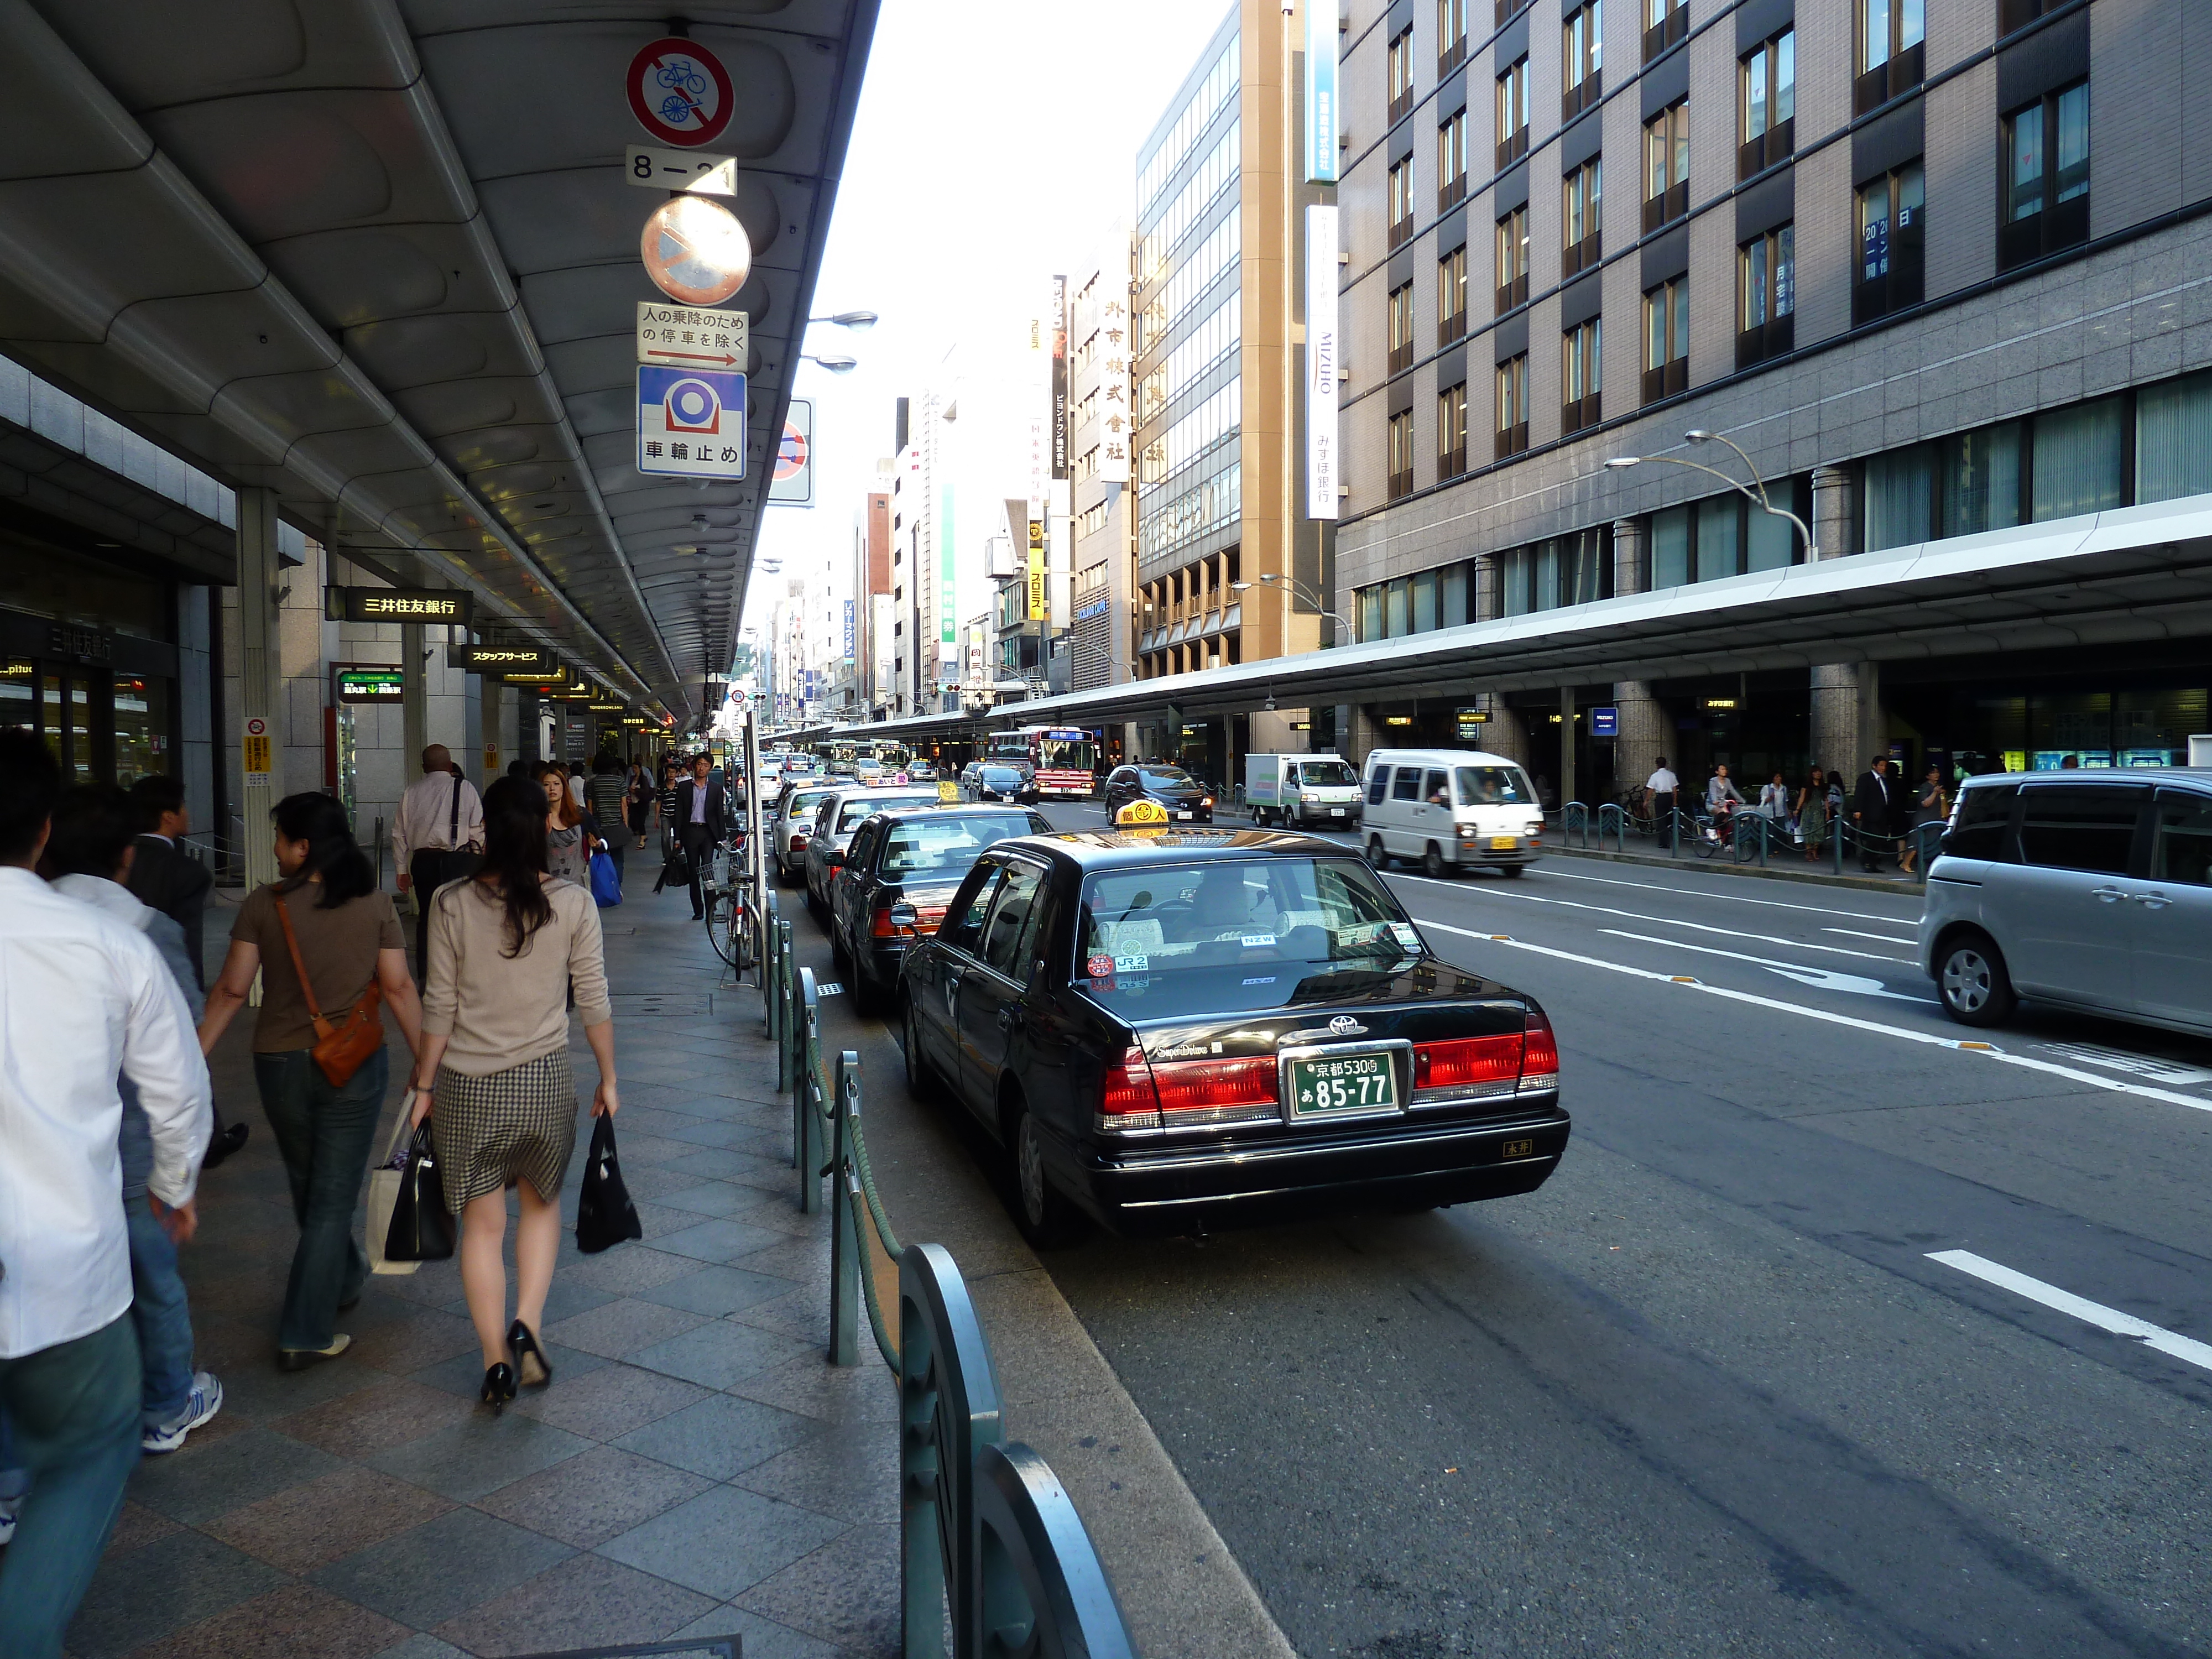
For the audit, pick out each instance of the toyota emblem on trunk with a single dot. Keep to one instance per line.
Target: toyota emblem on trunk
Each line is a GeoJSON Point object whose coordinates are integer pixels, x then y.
{"type": "Point", "coordinates": [1345, 1026]}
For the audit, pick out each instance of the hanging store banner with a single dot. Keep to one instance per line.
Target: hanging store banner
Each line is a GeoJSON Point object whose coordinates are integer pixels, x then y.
{"type": "Point", "coordinates": [792, 483]}
{"type": "Point", "coordinates": [502, 660]}
{"type": "Point", "coordinates": [1322, 460]}
{"type": "Point", "coordinates": [948, 630]}
{"type": "Point", "coordinates": [398, 605]}
{"type": "Point", "coordinates": [1059, 321]}
{"type": "Point", "coordinates": [1320, 94]}
{"type": "Point", "coordinates": [1036, 570]}
{"type": "Point", "coordinates": [690, 423]}
{"type": "Point", "coordinates": [1117, 425]}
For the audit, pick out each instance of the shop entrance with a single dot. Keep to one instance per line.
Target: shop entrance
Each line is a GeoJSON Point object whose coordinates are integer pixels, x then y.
{"type": "Point", "coordinates": [103, 724]}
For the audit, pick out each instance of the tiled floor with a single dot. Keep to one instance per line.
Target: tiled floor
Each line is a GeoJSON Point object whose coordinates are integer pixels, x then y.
{"type": "Point", "coordinates": [695, 1468]}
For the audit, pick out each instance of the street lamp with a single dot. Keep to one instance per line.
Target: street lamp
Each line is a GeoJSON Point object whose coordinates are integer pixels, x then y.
{"type": "Point", "coordinates": [850, 319]}
{"type": "Point", "coordinates": [836, 364]}
{"type": "Point", "coordinates": [1755, 492]}
{"type": "Point", "coordinates": [1297, 589]}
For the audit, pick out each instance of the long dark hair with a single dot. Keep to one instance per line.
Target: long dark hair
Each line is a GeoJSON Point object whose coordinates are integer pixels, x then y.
{"type": "Point", "coordinates": [319, 820]}
{"type": "Point", "coordinates": [514, 857]}
{"type": "Point", "coordinates": [567, 810]}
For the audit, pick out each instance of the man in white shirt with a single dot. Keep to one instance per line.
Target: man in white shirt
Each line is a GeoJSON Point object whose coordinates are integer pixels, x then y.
{"type": "Point", "coordinates": [1659, 793]}
{"type": "Point", "coordinates": [440, 814]}
{"type": "Point", "coordinates": [83, 998]}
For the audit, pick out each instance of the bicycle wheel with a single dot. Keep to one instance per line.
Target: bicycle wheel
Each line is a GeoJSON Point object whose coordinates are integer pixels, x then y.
{"type": "Point", "coordinates": [718, 931]}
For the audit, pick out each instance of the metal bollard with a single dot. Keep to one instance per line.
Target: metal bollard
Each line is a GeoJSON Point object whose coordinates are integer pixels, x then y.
{"type": "Point", "coordinates": [804, 1095]}
{"type": "Point", "coordinates": [1838, 849]}
{"type": "Point", "coordinates": [847, 1250]}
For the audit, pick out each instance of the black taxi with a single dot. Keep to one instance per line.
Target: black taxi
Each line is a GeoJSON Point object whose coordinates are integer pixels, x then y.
{"type": "Point", "coordinates": [1178, 1030]}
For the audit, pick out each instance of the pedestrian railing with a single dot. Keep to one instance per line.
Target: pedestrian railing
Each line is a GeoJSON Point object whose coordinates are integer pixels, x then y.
{"type": "Point", "coordinates": [1613, 817]}
{"type": "Point", "coordinates": [986, 1531]}
{"type": "Point", "coordinates": [1574, 820]}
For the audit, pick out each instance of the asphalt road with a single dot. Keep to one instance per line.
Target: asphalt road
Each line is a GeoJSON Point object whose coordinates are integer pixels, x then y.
{"type": "Point", "coordinates": [1830, 1335]}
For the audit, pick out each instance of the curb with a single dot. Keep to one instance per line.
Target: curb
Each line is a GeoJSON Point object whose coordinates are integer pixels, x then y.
{"type": "Point", "coordinates": [1714, 867]}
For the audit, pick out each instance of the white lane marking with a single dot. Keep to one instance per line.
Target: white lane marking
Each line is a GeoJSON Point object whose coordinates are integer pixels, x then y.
{"type": "Point", "coordinates": [1964, 1045]}
{"type": "Point", "coordinates": [1823, 979]}
{"type": "Point", "coordinates": [1733, 898]}
{"type": "Point", "coordinates": [2148, 1066]}
{"type": "Point", "coordinates": [1674, 922]}
{"type": "Point", "coordinates": [2181, 1347]}
{"type": "Point", "coordinates": [1886, 939]}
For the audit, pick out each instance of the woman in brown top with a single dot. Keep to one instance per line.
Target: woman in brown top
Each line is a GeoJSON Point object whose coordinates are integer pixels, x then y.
{"type": "Point", "coordinates": [348, 935]}
{"type": "Point", "coordinates": [493, 1073]}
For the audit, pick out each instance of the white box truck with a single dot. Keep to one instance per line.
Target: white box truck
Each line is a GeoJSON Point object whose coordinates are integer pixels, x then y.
{"type": "Point", "coordinates": [1306, 791]}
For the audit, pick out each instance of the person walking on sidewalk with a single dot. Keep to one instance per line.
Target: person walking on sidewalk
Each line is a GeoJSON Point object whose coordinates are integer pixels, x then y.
{"type": "Point", "coordinates": [702, 820]}
{"type": "Point", "coordinates": [1812, 814]}
{"type": "Point", "coordinates": [88, 857]}
{"type": "Point", "coordinates": [1659, 791]}
{"type": "Point", "coordinates": [439, 816]}
{"type": "Point", "coordinates": [322, 937]}
{"type": "Point", "coordinates": [84, 999]}
{"type": "Point", "coordinates": [493, 1074]}
{"type": "Point", "coordinates": [571, 832]}
{"type": "Point", "coordinates": [1929, 806]}
{"type": "Point", "coordinates": [1871, 806]}
{"type": "Point", "coordinates": [607, 796]}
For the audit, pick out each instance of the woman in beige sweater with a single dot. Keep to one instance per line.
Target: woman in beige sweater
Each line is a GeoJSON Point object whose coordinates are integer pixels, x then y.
{"type": "Point", "coordinates": [494, 1075]}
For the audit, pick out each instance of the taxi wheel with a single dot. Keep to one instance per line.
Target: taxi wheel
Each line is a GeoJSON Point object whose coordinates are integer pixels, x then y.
{"type": "Point", "coordinates": [1045, 1217]}
{"type": "Point", "coordinates": [1377, 858]}
{"type": "Point", "coordinates": [920, 1081]}
{"type": "Point", "coordinates": [1971, 981]}
{"type": "Point", "coordinates": [1432, 863]}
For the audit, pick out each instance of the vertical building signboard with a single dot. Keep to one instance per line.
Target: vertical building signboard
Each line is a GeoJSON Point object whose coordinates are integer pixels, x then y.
{"type": "Point", "coordinates": [1322, 464]}
{"type": "Point", "coordinates": [1058, 322]}
{"type": "Point", "coordinates": [1321, 93]}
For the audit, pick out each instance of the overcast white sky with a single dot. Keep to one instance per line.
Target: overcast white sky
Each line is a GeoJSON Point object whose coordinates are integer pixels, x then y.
{"type": "Point", "coordinates": [996, 140]}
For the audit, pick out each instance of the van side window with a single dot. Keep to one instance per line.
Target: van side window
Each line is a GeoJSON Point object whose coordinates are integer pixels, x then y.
{"type": "Point", "coordinates": [1407, 786]}
{"type": "Point", "coordinates": [2183, 850]}
{"type": "Point", "coordinates": [1437, 790]}
{"type": "Point", "coordinates": [1984, 815]}
{"type": "Point", "coordinates": [1378, 784]}
{"type": "Point", "coordinates": [2066, 827]}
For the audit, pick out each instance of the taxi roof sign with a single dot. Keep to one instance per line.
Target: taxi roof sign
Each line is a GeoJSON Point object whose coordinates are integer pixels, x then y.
{"type": "Point", "coordinates": [1141, 812]}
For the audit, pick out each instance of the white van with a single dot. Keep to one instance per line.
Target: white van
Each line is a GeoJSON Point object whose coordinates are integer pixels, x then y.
{"type": "Point", "coordinates": [1447, 807]}
{"type": "Point", "coordinates": [1307, 791]}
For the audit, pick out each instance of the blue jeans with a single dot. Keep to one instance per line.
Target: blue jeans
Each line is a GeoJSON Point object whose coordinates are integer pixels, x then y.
{"type": "Point", "coordinates": [72, 1414]}
{"type": "Point", "coordinates": [163, 1316]}
{"type": "Point", "coordinates": [325, 1135]}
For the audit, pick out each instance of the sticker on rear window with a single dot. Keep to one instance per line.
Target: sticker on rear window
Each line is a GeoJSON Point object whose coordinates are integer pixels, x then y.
{"type": "Point", "coordinates": [1131, 964]}
{"type": "Point", "coordinates": [1270, 979]}
{"type": "Point", "coordinates": [1100, 967]}
{"type": "Point", "coordinates": [1403, 932]}
{"type": "Point", "coordinates": [1256, 941]}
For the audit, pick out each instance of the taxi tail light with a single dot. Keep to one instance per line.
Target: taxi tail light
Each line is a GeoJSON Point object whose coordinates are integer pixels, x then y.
{"type": "Point", "coordinates": [1467, 1069]}
{"type": "Point", "coordinates": [1126, 1099]}
{"type": "Point", "coordinates": [1539, 1066]}
{"type": "Point", "coordinates": [1199, 1091]}
{"type": "Point", "coordinates": [926, 918]}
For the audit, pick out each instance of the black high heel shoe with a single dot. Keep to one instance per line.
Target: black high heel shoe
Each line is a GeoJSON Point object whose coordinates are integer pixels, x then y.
{"type": "Point", "coordinates": [498, 1386]}
{"type": "Point", "coordinates": [532, 1367]}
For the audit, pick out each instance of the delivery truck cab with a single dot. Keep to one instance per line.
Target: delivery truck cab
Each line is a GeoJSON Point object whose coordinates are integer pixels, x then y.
{"type": "Point", "coordinates": [1306, 791]}
{"type": "Point", "coordinates": [1449, 809]}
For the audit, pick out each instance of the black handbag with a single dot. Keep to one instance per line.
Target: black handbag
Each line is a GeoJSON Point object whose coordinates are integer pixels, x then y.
{"type": "Point", "coordinates": [605, 1215]}
{"type": "Point", "coordinates": [421, 1230]}
{"type": "Point", "coordinates": [454, 862]}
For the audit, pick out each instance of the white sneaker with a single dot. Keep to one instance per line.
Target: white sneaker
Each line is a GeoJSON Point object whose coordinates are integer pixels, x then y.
{"type": "Point", "coordinates": [204, 1401]}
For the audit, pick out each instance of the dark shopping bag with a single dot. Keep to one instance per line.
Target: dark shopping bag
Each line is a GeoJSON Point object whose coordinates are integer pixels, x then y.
{"type": "Point", "coordinates": [420, 1228]}
{"type": "Point", "coordinates": [606, 884]}
{"type": "Point", "coordinates": [676, 869]}
{"type": "Point", "coordinates": [605, 1215]}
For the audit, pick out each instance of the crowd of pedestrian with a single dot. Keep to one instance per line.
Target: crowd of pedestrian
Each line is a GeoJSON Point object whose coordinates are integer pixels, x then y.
{"type": "Point", "coordinates": [1883, 815]}
{"type": "Point", "coordinates": [107, 1119]}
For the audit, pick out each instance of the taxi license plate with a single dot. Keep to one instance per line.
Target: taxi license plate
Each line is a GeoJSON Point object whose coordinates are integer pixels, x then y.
{"type": "Point", "coordinates": [1503, 843]}
{"type": "Point", "coordinates": [1183, 815]}
{"type": "Point", "coordinates": [1329, 1084]}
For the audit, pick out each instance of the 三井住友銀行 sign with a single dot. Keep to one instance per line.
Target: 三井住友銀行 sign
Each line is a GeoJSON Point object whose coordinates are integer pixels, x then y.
{"type": "Point", "coordinates": [399, 605]}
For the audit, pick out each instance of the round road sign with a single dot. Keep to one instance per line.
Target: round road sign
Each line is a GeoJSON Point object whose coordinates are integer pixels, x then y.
{"type": "Point", "coordinates": [679, 92]}
{"type": "Point", "coordinates": [790, 454]}
{"type": "Point", "coordinates": [695, 251]}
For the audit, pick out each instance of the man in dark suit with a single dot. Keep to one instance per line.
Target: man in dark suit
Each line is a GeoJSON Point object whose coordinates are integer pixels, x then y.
{"type": "Point", "coordinates": [164, 877]}
{"type": "Point", "coordinates": [703, 818]}
{"type": "Point", "coordinates": [1872, 806]}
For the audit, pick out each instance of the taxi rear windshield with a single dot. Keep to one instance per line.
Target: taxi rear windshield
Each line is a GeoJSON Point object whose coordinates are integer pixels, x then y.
{"type": "Point", "coordinates": [1226, 912]}
{"type": "Point", "coordinates": [854, 813]}
{"type": "Point", "coordinates": [944, 845]}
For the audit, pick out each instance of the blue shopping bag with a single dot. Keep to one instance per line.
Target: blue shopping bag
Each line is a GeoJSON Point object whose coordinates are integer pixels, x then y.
{"type": "Point", "coordinates": [606, 883]}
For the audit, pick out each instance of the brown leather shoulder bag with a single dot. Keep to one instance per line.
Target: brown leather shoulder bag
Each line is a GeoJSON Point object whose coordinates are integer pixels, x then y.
{"type": "Point", "coordinates": [342, 1049]}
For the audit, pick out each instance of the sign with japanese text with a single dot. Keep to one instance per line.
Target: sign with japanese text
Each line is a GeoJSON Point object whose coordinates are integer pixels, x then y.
{"type": "Point", "coordinates": [690, 423]}
{"type": "Point", "coordinates": [701, 336]}
{"type": "Point", "coordinates": [256, 752]}
{"type": "Point", "coordinates": [398, 605]}
{"type": "Point", "coordinates": [1321, 95]}
{"type": "Point", "coordinates": [368, 681]}
{"type": "Point", "coordinates": [1116, 419]}
{"type": "Point", "coordinates": [1321, 460]}
{"type": "Point", "coordinates": [1035, 570]}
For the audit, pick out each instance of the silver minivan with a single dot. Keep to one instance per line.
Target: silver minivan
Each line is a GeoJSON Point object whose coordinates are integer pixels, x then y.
{"type": "Point", "coordinates": [2088, 890]}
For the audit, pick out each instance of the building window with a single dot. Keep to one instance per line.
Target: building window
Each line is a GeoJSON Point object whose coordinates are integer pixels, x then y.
{"type": "Point", "coordinates": [1401, 454]}
{"type": "Point", "coordinates": [1666, 24]}
{"type": "Point", "coordinates": [2018, 14]}
{"type": "Point", "coordinates": [1513, 405]}
{"type": "Point", "coordinates": [1767, 296]}
{"type": "Point", "coordinates": [1667, 166]}
{"type": "Point", "coordinates": [1451, 36]}
{"type": "Point", "coordinates": [1512, 260]}
{"type": "Point", "coordinates": [1584, 243]}
{"type": "Point", "coordinates": [1505, 10]}
{"type": "Point", "coordinates": [1451, 296]}
{"type": "Point", "coordinates": [1451, 162]}
{"type": "Point", "coordinates": [1513, 113]}
{"type": "Point", "coordinates": [1452, 432]}
{"type": "Point", "coordinates": [1562, 570]}
{"type": "Point", "coordinates": [1581, 47]}
{"type": "Point", "coordinates": [1767, 110]}
{"type": "Point", "coordinates": [1402, 202]}
{"type": "Point", "coordinates": [2174, 438]}
{"type": "Point", "coordinates": [1725, 535]}
{"type": "Point", "coordinates": [1893, 51]}
{"type": "Point", "coordinates": [2046, 177]}
{"type": "Point", "coordinates": [1400, 70]}
{"type": "Point", "coordinates": [1580, 378]}
{"type": "Point", "coordinates": [1667, 340]}
{"type": "Point", "coordinates": [1892, 212]}
{"type": "Point", "coordinates": [1402, 328]}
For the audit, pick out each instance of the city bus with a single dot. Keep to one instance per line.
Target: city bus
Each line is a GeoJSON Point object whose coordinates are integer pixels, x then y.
{"type": "Point", "coordinates": [1064, 758]}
